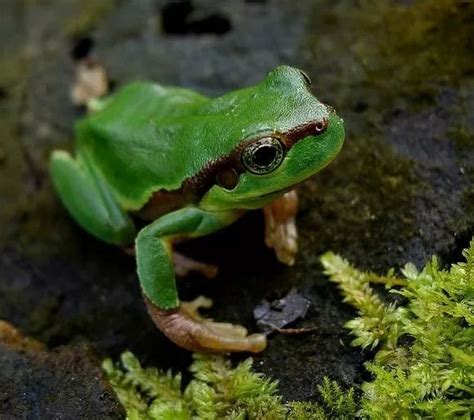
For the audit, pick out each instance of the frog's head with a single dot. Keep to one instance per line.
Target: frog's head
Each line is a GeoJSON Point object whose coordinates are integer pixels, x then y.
{"type": "Point", "coordinates": [285, 136]}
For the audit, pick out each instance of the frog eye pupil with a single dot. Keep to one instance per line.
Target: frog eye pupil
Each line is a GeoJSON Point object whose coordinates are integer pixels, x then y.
{"type": "Point", "coordinates": [263, 155]}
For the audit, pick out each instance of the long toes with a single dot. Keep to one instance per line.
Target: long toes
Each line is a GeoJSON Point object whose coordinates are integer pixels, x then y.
{"type": "Point", "coordinates": [199, 334]}
{"type": "Point", "coordinates": [226, 329]}
{"type": "Point", "coordinates": [193, 306]}
{"type": "Point", "coordinates": [253, 343]}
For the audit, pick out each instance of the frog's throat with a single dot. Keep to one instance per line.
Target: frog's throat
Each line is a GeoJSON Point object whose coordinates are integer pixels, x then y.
{"type": "Point", "coordinates": [193, 188]}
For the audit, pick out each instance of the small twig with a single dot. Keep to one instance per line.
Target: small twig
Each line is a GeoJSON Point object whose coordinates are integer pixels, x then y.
{"type": "Point", "coordinates": [295, 331]}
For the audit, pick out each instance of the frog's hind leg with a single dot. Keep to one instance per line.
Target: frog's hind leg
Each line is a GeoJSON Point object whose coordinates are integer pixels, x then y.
{"type": "Point", "coordinates": [184, 265]}
{"type": "Point", "coordinates": [181, 321]}
{"type": "Point", "coordinates": [90, 201]}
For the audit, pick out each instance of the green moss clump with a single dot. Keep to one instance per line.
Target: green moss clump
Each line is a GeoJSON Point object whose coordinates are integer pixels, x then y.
{"type": "Point", "coordinates": [336, 404]}
{"type": "Point", "coordinates": [217, 391]}
{"type": "Point", "coordinates": [424, 366]}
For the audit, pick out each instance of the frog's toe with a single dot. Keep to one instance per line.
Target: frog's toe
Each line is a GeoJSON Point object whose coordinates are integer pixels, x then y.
{"type": "Point", "coordinates": [213, 341]}
{"type": "Point", "coordinates": [192, 307]}
{"type": "Point", "coordinates": [183, 266]}
{"type": "Point", "coordinates": [280, 227]}
{"type": "Point", "coordinates": [185, 327]}
{"type": "Point", "coordinates": [226, 328]}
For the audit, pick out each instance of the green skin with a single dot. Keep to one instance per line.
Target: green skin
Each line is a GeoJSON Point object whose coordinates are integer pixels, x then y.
{"type": "Point", "coordinates": [148, 138]}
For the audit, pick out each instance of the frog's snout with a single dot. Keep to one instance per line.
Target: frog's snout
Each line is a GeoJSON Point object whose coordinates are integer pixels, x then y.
{"type": "Point", "coordinates": [332, 113]}
{"type": "Point", "coordinates": [330, 109]}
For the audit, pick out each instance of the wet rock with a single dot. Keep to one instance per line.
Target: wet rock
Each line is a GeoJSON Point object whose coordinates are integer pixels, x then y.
{"type": "Point", "coordinates": [66, 383]}
{"type": "Point", "coordinates": [401, 190]}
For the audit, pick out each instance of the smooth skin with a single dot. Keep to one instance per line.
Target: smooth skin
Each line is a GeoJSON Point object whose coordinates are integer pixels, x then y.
{"type": "Point", "coordinates": [193, 165]}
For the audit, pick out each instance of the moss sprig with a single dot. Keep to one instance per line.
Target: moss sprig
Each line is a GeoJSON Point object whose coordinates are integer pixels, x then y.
{"type": "Point", "coordinates": [433, 375]}
{"type": "Point", "coordinates": [217, 391]}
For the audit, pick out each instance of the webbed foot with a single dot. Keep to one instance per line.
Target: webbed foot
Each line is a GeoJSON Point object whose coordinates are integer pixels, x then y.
{"type": "Point", "coordinates": [280, 227]}
{"type": "Point", "coordinates": [185, 327]}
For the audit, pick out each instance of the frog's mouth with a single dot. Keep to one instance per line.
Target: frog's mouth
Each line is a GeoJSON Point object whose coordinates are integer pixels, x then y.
{"type": "Point", "coordinates": [263, 199]}
{"type": "Point", "coordinates": [279, 192]}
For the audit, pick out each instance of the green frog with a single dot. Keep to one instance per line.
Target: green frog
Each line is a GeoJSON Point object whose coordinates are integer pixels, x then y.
{"type": "Point", "coordinates": [189, 165]}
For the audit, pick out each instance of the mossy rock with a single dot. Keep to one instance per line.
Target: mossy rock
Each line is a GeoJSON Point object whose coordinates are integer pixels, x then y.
{"type": "Point", "coordinates": [401, 190]}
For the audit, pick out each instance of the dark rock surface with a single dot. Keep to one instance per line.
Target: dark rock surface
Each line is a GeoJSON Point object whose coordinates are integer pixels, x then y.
{"type": "Point", "coordinates": [66, 383]}
{"type": "Point", "coordinates": [401, 190]}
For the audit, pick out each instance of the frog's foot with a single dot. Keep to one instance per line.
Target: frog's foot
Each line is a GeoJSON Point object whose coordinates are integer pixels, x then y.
{"type": "Point", "coordinates": [280, 227]}
{"type": "Point", "coordinates": [184, 265]}
{"type": "Point", "coordinates": [185, 327]}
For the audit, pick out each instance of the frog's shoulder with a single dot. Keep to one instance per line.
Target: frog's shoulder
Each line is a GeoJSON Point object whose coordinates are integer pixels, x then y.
{"type": "Point", "coordinates": [132, 140]}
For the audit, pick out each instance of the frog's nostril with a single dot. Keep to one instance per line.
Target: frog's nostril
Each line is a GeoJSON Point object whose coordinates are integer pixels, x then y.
{"type": "Point", "coordinates": [320, 126]}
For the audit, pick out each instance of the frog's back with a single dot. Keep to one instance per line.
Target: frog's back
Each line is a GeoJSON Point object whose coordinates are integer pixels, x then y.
{"type": "Point", "coordinates": [132, 140]}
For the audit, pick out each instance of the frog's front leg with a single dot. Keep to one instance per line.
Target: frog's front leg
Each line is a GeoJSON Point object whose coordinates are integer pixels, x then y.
{"type": "Point", "coordinates": [180, 321]}
{"type": "Point", "coordinates": [280, 227]}
{"type": "Point", "coordinates": [89, 199]}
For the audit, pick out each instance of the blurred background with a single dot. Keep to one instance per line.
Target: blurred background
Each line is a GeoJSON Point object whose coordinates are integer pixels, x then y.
{"type": "Point", "coordinates": [400, 73]}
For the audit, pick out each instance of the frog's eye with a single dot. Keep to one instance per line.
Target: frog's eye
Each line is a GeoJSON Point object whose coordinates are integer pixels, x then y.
{"type": "Point", "coordinates": [305, 77]}
{"type": "Point", "coordinates": [263, 155]}
{"type": "Point", "coordinates": [228, 178]}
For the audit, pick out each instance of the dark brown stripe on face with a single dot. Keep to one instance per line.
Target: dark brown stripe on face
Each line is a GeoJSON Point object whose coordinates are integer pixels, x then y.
{"type": "Point", "coordinates": [206, 177]}
{"type": "Point", "coordinates": [313, 128]}
{"type": "Point", "coordinates": [196, 186]}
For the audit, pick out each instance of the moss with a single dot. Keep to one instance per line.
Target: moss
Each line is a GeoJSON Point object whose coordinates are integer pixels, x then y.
{"type": "Point", "coordinates": [379, 63]}
{"type": "Point", "coordinates": [367, 207]}
{"type": "Point", "coordinates": [463, 138]}
{"type": "Point", "coordinates": [424, 365]}
{"type": "Point", "coordinates": [217, 390]}
{"type": "Point", "coordinates": [401, 35]}
{"type": "Point", "coordinates": [12, 190]}
{"type": "Point", "coordinates": [90, 13]}
{"type": "Point", "coordinates": [412, 50]}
